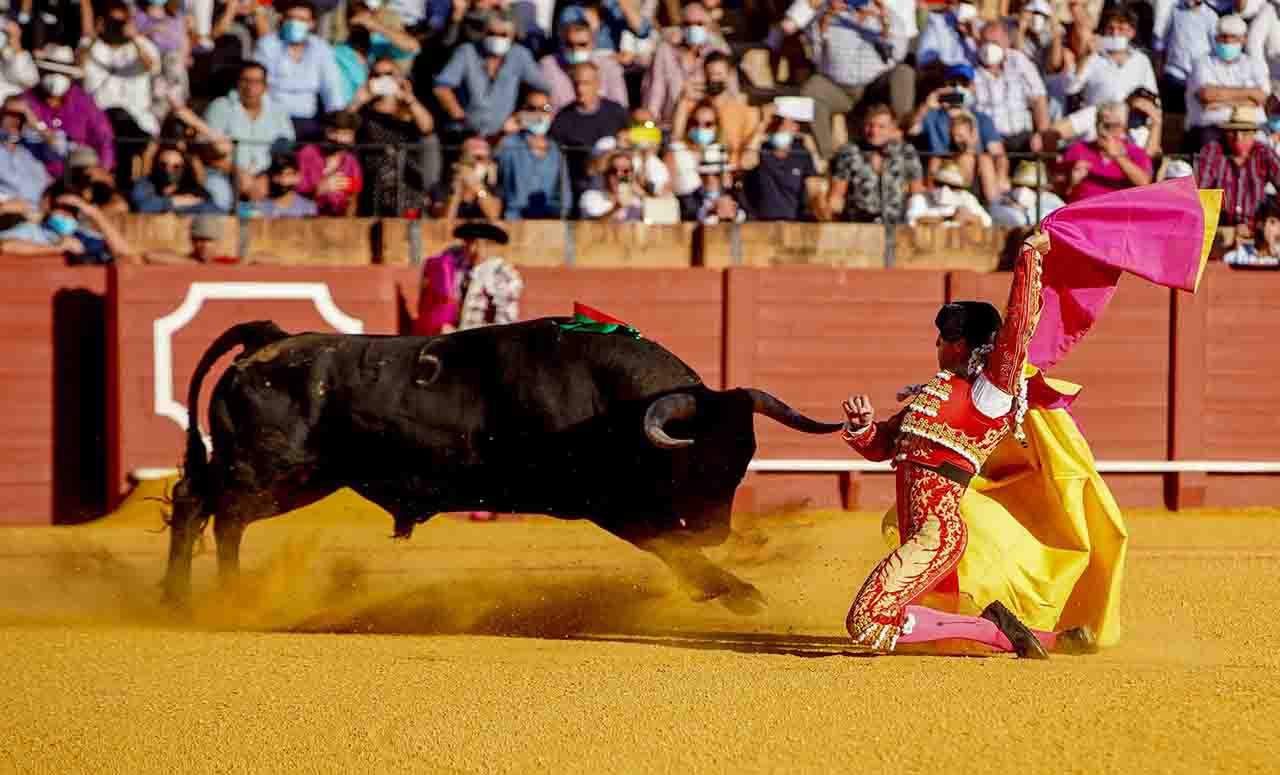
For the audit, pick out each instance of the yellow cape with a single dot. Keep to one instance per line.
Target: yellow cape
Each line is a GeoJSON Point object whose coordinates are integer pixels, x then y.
{"type": "Point", "coordinates": [1046, 537]}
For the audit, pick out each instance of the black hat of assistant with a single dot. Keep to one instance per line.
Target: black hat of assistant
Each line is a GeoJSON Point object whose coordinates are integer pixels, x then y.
{"type": "Point", "coordinates": [481, 230]}
{"type": "Point", "coordinates": [973, 321]}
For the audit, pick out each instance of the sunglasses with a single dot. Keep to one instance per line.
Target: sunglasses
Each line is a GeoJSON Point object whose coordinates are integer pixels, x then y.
{"type": "Point", "coordinates": [704, 124]}
{"type": "Point", "coordinates": [384, 74]}
{"type": "Point", "coordinates": [537, 108]}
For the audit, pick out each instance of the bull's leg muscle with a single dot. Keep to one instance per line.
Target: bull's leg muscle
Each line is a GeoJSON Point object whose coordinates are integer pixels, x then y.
{"type": "Point", "coordinates": [707, 580]}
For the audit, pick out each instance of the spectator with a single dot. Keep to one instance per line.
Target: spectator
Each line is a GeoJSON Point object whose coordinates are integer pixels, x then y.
{"type": "Point", "coordinates": [463, 289]}
{"type": "Point", "coordinates": [948, 37]}
{"type": "Point", "coordinates": [401, 157]}
{"type": "Point", "coordinates": [644, 139]}
{"type": "Point", "coordinates": [388, 38]}
{"type": "Point", "coordinates": [1009, 89]}
{"type": "Point", "coordinates": [118, 72]}
{"type": "Point", "coordinates": [89, 181]}
{"type": "Point", "coordinates": [1146, 122]}
{"type": "Point", "coordinates": [979, 145]}
{"type": "Point", "coordinates": [352, 56]}
{"type": "Point", "coordinates": [210, 149]}
{"type": "Point", "coordinates": [221, 180]}
{"type": "Point", "coordinates": [781, 178]}
{"type": "Point", "coordinates": [1264, 39]}
{"type": "Point", "coordinates": [301, 69]}
{"type": "Point", "coordinates": [283, 199]}
{"type": "Point", "coordinates": [990, 172]}
{"type": "Point", "coordinates": [870, 180]}
{"type": "Point", "coordinates": [23, 178]}
{"type": "Point", "coordinates": [531, 169]}
{"type": "Point", "coordinates": [619, 197]}
{"type": "Point", "coordinates": [686, 158]}
{"type": "Point", "coordinates": [946, 201]}
{"type": "Point", "coordinates": [1240, 166]}
{"type": "Point", "coordinates": [471, 188]}
{"type": "Point", "coordinates": [165, 26]}
{"type": "Point", "coordinates": [330, 174]}
{"type": "Point", "coordinates": [1039, 35]}
{"type": "Point", "coordinates": [859, 57]}
{"type": "Point", "coordinates": [206, 231]}
{"type": "Point", "coordinates": [577, 47]}
{"type": "Point", "coordinates": [1225, 79]}
{"type": "Point", "coordinates": [239, 26]}
{"type": "Point", "coordinates": [1115, 69]}
{"type": "Point", "coordinates": [63, 230]}
{"type": "Point", "coordinates": [17, 68]}
{"type": "Point", "coordinates": [1109, 163]}
{"type": "Point", "coordinates": [611, 20]}
{"type": "Point", "coordinates": [59, 102]}
{"type": "Point", "coordinates": [1182, 36]}
{"type": "Point", "coordinates": [252, 118]}
{"type": "Point", "coordinates": [738, 120]}
{"type": "Point", "coordinates": [676, 63]}
{"type": "Point", "coordinates": [578, 126]}
{"type": "Point", "coordinates": [1264, 250]}
{"type": "Point", "coordinates": [171, 186]}
{"type": "Point", "coordinates": [488, 76]}
{"type": "Point", "coordinates": [1029, 200]}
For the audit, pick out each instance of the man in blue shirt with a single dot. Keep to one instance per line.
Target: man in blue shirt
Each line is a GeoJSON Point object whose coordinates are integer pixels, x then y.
{"type": "Point", "coordinates": [22, 156]}
{"type": "Point", "coordinates": [301, 69]}
{"type": "Point", "coordinates": [933, 117]}
{"type": "Point", "coordinates": [64, 230]}
{"type": "Point", "coordinates": [531, 168]}
{"type": "Point", "coordinates": [479, 86]}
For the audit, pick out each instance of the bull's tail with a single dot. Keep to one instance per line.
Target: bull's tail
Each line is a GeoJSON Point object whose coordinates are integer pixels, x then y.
{"type": "Point", "coordinates": [683, 406]}
{"type": "Point", "coordinates": [251, 336]}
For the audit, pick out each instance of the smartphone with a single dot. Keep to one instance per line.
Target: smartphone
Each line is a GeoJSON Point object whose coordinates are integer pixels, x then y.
{"type": "Point", "coordinates": [952, 98]}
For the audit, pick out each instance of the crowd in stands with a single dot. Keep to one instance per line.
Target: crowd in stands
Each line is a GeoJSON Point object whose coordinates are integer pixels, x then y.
{"type": "Point", "coordinates": [874, 111]}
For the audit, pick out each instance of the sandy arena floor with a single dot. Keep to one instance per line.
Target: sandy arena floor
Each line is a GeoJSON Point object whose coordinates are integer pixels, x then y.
{"type": "Point", "coordinates": [537, 645]}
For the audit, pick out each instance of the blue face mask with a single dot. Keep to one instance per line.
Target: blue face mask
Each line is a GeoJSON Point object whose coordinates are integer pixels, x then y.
{"type": "Point", "coordinates": [695, 35]}
{"type": "Point", "coordinates": [539, 127]}
{"type": "Point", "coordinates": [1227, 52]}
{"type": "Point", "coordinates": [157, 2]}
{"type": "Point", "coordinates": [1273, 125]}
{"type": "Point", "coordinates": [62, 224]}
{"type": "Point", "coordinates": [378, 40]}
{"type": "Point", "coordinates": [576, 56]}
{"type": "Point", "coordinates": [294, 31]}
{"type": "Point", "coordinates": [703, 135]}
{"type": "Point", "coordinates": [781, 140]}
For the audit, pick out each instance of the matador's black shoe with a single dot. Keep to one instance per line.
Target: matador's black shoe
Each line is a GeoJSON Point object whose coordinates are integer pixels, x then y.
{"type": "Point", "coordinates": [1077, 640]}
{"type": "Point", "coordinates": [1025, 643]}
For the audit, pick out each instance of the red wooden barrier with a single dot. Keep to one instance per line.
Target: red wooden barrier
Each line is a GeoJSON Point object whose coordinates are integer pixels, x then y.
{"type": "Point", "coordinates": [52, 377]}
{"type": "Point", "coordinates": [161, 320]}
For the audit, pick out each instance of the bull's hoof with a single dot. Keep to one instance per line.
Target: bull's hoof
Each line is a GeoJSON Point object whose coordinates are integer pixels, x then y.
{"type": "Point", "coordinates": [742, 598]}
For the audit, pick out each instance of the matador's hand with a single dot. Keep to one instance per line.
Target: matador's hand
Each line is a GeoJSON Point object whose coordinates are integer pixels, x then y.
{"type": "Point", "coordinates": [858, 411]}
{"type": "Point", "coordinates": [1039, 241]}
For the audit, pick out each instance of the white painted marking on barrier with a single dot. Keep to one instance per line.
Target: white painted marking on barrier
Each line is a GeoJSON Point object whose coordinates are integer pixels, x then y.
{"type": "Point", "coordinates": [164, 328]}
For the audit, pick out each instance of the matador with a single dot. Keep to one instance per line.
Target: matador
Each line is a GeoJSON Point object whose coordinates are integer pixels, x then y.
{"type": "Point", "coordinates": [937, 442]}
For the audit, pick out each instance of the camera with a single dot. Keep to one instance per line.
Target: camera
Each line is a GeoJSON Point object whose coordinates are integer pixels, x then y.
{"type": "Point", "coordinates": [954, 98]}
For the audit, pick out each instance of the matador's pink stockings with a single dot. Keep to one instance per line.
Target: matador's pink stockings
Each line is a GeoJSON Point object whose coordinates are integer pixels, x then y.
{"type": "Point", "coordinates": [928, 625]}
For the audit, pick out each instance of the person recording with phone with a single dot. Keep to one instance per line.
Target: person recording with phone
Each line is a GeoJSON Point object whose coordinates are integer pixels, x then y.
{"type": "Point", "coordinates": [399, 150]}
{"type": "Point", "coordinates": [470, 193]}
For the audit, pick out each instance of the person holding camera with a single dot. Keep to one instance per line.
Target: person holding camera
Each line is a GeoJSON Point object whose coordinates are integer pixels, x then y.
{"type": "Point", "coordinates": [620, 197]}
{"type": "Point", "coordinates": [471, 194]}
{"type": "Point", "coordinates": [952, 105]}
{"type": "Point", "coordinates": [400, 154]}
{"type": "Point", "coordinates": [781, 179]}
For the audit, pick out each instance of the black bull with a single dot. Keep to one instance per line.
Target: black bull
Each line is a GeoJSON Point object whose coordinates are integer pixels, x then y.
{"type": "Point", "coordinates": [526, 418]}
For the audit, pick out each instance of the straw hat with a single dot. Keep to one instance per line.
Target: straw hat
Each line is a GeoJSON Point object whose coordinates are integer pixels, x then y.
{"type": "Point", "coordinates": [949, 175]}
{"type": "Point", "coordinates": [1244, 117]}
{"type": "Point", "coordinates": [1031, 174]}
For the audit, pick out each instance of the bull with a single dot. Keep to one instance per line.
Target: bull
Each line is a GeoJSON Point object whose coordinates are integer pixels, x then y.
{"type": "Point", "coordinates": [523, 418]}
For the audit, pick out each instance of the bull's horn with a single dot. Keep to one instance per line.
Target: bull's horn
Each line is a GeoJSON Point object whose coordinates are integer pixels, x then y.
{"type": "Point", "coordinates": [677, 406]}
{"type": "Point", "coordinates": [426, 359]}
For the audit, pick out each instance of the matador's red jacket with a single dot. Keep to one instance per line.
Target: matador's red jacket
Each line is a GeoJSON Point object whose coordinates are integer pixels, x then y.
{"type": "Point", "coordinates": [955, 420]}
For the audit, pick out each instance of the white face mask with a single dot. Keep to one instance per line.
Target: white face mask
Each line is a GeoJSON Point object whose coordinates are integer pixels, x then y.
{"type": "Point", "coordinates": [992, 54]}
{"type": "Point", "coordinates": [56, 84]}
{"type": "Point", "coordinates": [1113, 43]}
{"type": "Point", "coordinates": [497, 45]}
{"type": "Point", "coordinates": [1039, 23]}
{"type": "Point", "coordinates": [965, 12]}
{"type": "Point", "coordinates": [383, 86]}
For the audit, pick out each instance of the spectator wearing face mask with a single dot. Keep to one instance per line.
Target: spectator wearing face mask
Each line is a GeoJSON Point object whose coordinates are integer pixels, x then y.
{"type": "Point", "coordinates": [579, 126]}
{"type": "Point", "coordinates": [871, 178]}
{"type": "Point", "coordinates": [1008, 87]}
{"type": "Point", "coordinates": [118, 74]}
{"type": "Point", "coordinates": [1040, 35]}
{"type": "Point", "coordinates": [302, 72]}
{"type": "Point", "coordinates": [532, 172]}
{"type": "Point", "coordinates": [946, 201]}
{"type": "Point", "coordinates": [617, 195]}
{"type": "Point", "coordinates": [687, 157]}
{"type": "Point", "coordinates": [388, 38]}
{"type": "Point", "coordinates": [61, 106]}
{"type": "Point", "coordinates": [1183, 35]}
{"type": "Point", "coordinates": [1109, 163]}
{"type": "Point", "coordinates": [400, 153]}
{"type": "Point", "coordinates": [164, 24]}
{"type": "Point", "coordinates": [612, 20]}
{"type": "Point", "coordinates": [470, 194]}
{"type": "Point", "coordinates": [737, 119]}
{"type": "Point", "coordinates": [329, 173]}
{"type": "Point", "coordinates": [1114, 69]}
{"type": "Point", "coordinates": [948, 37]}
{"type": "Point", "coordinates": [479, 87]}
{"type": "Point", "coordinates": [858, 55]}
{"type": "Point", "coordinates": [1146, 122]}
{"type": "Point", "coordinates": [782, 176]}
{"type": "Point", "coordinates": [73, 227]}
{"type": "Point", "coordinates": [676, 63]}
{"type": "Point", "coordinates": [17, 67]}
{"type": "Point", "coordinates": [1242, 167]}
{"type": "Point", "coordinates": [1222, 81]}
{"type": "Point", "coordinates": [171, 186]}
{"type": "Point", "coordinates": [576, 48]}
{"type": "Point", "coordinates": [23, 178]}
{"type": "Point", "coordinates": [1029, 200]}
{"type": "Point", "coordinates": [283, 199]}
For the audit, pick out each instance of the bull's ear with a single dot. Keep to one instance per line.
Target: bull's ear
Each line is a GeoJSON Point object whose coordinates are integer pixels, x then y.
{"type": "Point", "coordinates": [427, 369]}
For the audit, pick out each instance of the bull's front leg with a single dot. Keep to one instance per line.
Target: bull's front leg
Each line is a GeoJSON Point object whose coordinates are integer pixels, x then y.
{"type": "Point", "coordinates": [705, 579]}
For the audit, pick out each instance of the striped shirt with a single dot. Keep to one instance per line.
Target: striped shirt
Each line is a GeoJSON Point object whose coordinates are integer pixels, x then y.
{"type": "Point", "coordinates": [1243, 187]}
{"type": "Point", "coordinates": [1006, 94]}
{"type": "Point", "coordinates": [854, 52]}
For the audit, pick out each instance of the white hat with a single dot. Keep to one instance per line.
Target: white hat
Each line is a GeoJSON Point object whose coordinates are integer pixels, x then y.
{"type": "Point", "coordinates": [1038, 6]}
{"type": "Point", "coordinates": [1177, 168]}
{"type": "Point", "coordinates": [1031, 174]}
{"type": "Point", "coordinates": [1232, 25]}
{"type": "Point", "coordinates": [795, 108]}
{"type": "Point", "coordinates": [59, 59]}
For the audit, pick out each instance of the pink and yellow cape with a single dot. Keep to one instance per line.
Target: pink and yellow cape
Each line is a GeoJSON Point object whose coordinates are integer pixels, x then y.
{"type": "Point", "coordinates": [1046, 537]}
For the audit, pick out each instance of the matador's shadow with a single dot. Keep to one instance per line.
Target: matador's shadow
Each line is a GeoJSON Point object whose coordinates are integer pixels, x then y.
{"type": "Point", "coordinates": [809, 646]}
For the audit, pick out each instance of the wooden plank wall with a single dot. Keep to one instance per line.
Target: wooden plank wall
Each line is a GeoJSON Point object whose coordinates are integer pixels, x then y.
{"type": "Point", "coordinates": [53, 378]}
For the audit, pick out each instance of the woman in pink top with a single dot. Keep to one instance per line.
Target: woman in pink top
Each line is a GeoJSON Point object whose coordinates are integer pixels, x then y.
{"type": "Point", "coordinates": [330, 172]}
{"type": "Point", "coordinates": [1109, 163]}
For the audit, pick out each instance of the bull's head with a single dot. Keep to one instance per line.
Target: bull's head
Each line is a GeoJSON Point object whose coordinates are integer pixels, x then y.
{"type": "Point", "coordinates": [677, 406]}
